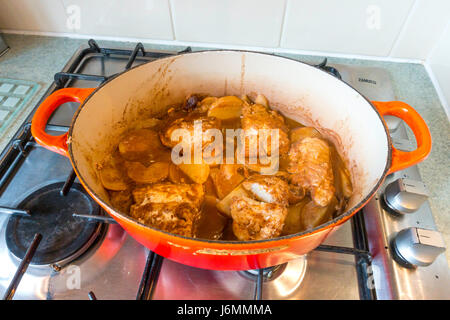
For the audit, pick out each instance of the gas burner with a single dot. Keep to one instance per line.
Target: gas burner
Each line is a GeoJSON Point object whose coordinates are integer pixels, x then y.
{"type": "Point", "coordinates": [268, 274]}
{"type": "Point", "coordinates": [331, 70]}
{"type": "Point", "coordinates": [283, 280]}
{"type": "Point", "coordinates": [64, 237]}
{"type": "Point", "coordinates": [280, 281]}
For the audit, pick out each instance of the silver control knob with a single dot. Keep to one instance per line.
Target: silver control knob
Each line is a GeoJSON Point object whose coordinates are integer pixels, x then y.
{"type": "Point", "coordinates": [418, 247]}
{"type": "Point", "coordinates": [405, 195]}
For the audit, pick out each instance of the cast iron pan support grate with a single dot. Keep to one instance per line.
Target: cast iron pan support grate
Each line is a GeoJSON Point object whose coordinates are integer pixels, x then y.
{"type": "Point", "coordinates": [150, 277]}
{"type": "Point", "coordinates": [23, 266]}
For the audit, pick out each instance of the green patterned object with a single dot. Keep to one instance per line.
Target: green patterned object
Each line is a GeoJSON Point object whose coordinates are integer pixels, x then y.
{"type": "Point", "coordinates": [14, 96]}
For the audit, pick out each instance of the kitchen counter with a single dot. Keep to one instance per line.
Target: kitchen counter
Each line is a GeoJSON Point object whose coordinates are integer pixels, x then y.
{"type": "Point", "coordinates": [38, 58]}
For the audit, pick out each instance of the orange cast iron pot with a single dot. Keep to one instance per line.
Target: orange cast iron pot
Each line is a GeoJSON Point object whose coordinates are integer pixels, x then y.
{"type": "Point", "coordinates": [299, 91]}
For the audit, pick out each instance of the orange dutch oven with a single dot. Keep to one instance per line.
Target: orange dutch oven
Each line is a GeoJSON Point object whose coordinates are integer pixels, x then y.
{"type": "Point", "coordinates": [297, 90]}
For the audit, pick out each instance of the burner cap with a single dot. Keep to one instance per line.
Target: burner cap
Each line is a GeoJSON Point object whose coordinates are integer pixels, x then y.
{"type": "Point", "coordinates": [269, 273]}
{"type": "Point", "coordinates": [63, 237]}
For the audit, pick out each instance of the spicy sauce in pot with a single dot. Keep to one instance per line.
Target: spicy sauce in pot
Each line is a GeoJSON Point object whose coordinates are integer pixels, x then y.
{"type": "Point", "coordinates": [222, 197]}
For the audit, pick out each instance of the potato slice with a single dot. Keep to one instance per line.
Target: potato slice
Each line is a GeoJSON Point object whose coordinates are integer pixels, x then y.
{"type": "Point", "coordinates": [314, 215]}
{"type": "Point", "coordinates": [261, 99]}
{"type": "Point", "coordinates": [347, 188]}
{"type": "Point", "coordinates": [225, 108]}
{"type": "Point", "coordinates": [226, 179]}
{"type": "Point", "coordinates": [342, 181]}
{"type": "Point", "coordinates": [293, 221]}
{"type": "Point", "coordinates": [111, 178]}
{"type": "Point", "coordinates": [299, 134]}
{"type": "Point", "coordinates": [206, 103]}
{"type": "Point", "coordinates": [176, 175]}
{"type": "Point", "coordinates": [156, 172]}
{"type": "Point", "coordinates": [224, 204]}
{"type": "Point", "coordinates": [140, 145]}
{"type": "Point", "coordinates": [197, 172]}
{"type": "Point", "coordinates": [147, 123]}
{"type": "Point", "coordinates": [246, 99]}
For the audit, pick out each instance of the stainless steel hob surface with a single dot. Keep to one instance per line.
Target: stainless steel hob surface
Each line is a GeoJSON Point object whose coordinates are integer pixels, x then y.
{"type": "Point", "coordinates": [117, 267]}
{"type": "Point", "coordinates": [408, 260]}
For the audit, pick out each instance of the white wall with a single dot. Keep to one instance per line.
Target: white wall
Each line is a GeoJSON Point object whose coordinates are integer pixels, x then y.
{"type": "Point", "coordinates": [384, 28]}
{"type": "Point", "coordinates": [439, 62]}
{"type": "Point", "coordinates": [423, 28]}
{"type": "Point", "coordinates": [387, 29]}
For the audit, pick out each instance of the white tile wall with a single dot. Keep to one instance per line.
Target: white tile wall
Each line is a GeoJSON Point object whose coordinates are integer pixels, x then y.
{"type": "Point", "coordinates": [386, 28]}
{"type": "Point", "coordinates": [250, 22]}
{"type": "Point", "coordinates": [120, 18]}
{"type": "Point", "coordinates": [367, 27]}
{"type": "Point", "coordinates": [32, 15]}
{"type": "Point", "coordinates": [439, 62]}
{"type": "Point", "coordinates": [422, 29]}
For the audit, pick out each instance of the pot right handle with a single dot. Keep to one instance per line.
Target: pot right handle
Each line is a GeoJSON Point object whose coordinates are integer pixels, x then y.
{"type": "Point", "coordinates": [403, 159]}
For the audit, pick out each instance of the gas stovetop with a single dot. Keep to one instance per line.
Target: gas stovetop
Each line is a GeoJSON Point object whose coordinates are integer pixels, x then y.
{"type": "Point", "coordinates": [83, 254]}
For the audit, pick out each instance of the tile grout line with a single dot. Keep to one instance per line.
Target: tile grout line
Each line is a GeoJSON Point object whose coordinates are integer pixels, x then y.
{"type": "Point", "coordinates": [283, 24]}
{"type": "Point", "coordinates": [441, 37]}
{"type": "Point", "coordinates": [66, 15]}
{"type": "Point", "coordinates": [437, 87]}
{"type": "Point", "coordinates": [172, 19]}
{"type": "Point", "coordinates": [414, 7]}
{"type": "Point", "coordinates": [214, 46]}
{"type": "Point", "coordinates": [433, 78]}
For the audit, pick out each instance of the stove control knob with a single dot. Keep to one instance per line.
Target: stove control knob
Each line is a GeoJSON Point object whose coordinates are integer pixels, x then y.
{"type": "Point", "coordinates": [417, 247]}
{"type": "Point", "coordinates": [405, 195]}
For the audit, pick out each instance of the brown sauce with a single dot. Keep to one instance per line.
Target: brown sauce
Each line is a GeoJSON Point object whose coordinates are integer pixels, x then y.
{"type": "Point", "coordinates": [210, 223]}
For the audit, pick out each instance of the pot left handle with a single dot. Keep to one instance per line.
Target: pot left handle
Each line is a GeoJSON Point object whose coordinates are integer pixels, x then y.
{"type": "Point", "coordinates": [56, 144]}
